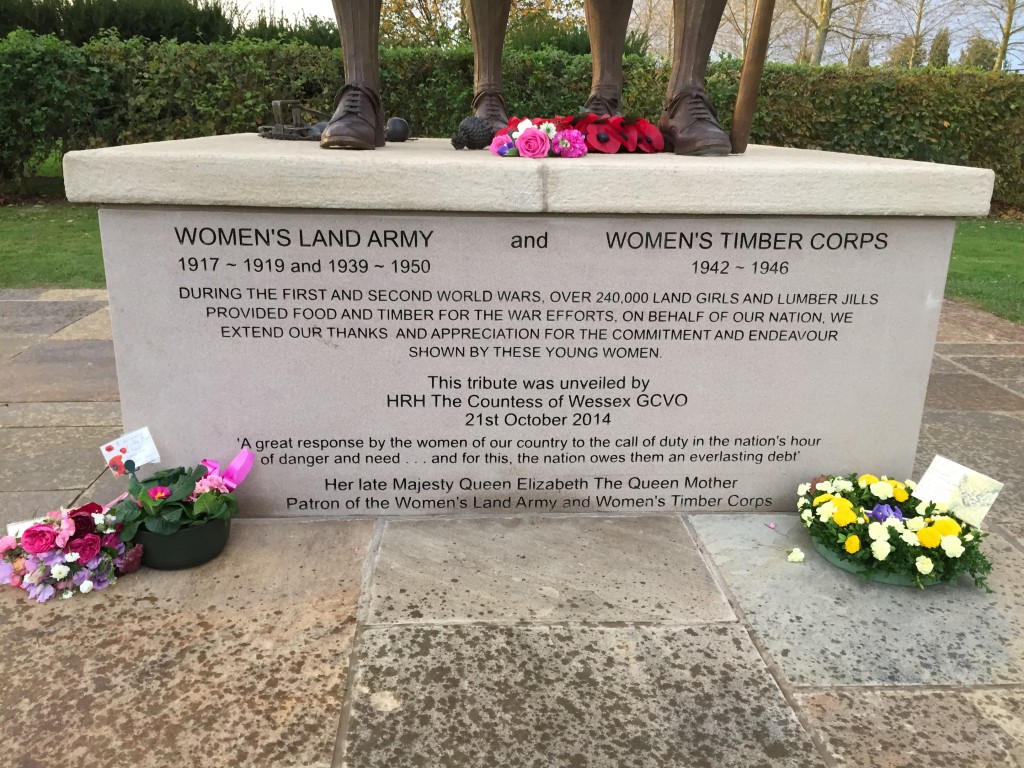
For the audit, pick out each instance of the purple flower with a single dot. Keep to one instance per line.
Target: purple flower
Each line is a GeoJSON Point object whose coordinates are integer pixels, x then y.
{"type": "Point", "coordinates": [501, 144]}
{"type": "Point", "coordinates": [883, 512]}
{"type": "Point", "coordinates": [41, 592]}
{"type": "Point", "coordinates": [6, 571]}
{"type": "Point", "coordinates": [569, 143]}
{"type": "Point", "coordinates": [81, 576]}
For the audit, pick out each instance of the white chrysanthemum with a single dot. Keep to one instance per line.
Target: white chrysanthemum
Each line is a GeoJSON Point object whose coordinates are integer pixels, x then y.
{"type": "Point", "coordinates": [842, 485]}
{"type": "Point", "coordinates": [71, 557]}
{"type": "Point", "coordinates": [969, 537]}
{"type": "Point", "coordinates": [894, 522]}
{"type": "Point", "coordinates": [878, 532]}
{"type": "Point", "coordinates": [825, 511]}
{"type": "Point", "coordinates": [911, 485]}
{"type": "Point", "coordinates": [916, 523]}
{"type": "Point", "coordinates": [825, 486]}
{"type": "Point", "coordinates": [881, 490]}
{"type": "Point", "coordinates": [796, 555]}
{"type": "Point", "coordinates": [803, 502]}
{"type": "Point", "coordinates": [59, 571]}
{"type": "Point", "coordinates": [922, 508]}
{"type": "Point", "coordinates": [99, 518]}
{"type": "Point", "coordinates": [952, 546]}
{"type": "Point", "coordinates": [67, 594]}
{"type": "Point", "coordinates": [86, 586]}
{"type": "Point", "coordinates": [802, 489]}
{"type": "Point", "coordinates": [942, 507]}
{"type": "Point", "coordinates": [880, 549]}
{"type": "Point", "coordinates": [910, 538]}
{"type": "Point", "coordinates": [806, 515]}
{"type": "Point", "coordinates": [549, 129]}
{"type": "Point", "coordinates": [924, 565]}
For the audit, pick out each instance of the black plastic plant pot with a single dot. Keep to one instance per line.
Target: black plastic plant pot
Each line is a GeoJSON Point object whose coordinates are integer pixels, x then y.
{"type": "Point", "coordinates": [186, 548]}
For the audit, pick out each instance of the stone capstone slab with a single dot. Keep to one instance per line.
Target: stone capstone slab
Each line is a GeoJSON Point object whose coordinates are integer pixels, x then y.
{"type": "Point", "coordinates": [976, 729]}
{"type": "Point", "coordinates": [622, 697]}
{"type": "Point", "coordinates": [539, 569]}
{"type": "Point", "coordinates": [242, 661]}
{"type": "Point", "coordinates": [428, 175]}
{"type": "Point", "coordinates": [823, 626]}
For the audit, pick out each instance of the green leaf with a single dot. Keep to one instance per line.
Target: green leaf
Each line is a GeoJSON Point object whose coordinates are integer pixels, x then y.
{"type": "Point", "coordinates": [182, 489]}
{"type": "Point", "coordinates": [160, 525]}
{"type": "Point", "coordinates": [128, 532]}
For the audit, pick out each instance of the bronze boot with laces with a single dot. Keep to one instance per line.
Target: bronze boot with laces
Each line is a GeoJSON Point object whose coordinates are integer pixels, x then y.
{"type": "Point", "coordinates": [357, 122]}
{"type": "Point", "coordinates": [490, 106]}
{"type": "Point", "coordinates": [690, 126]}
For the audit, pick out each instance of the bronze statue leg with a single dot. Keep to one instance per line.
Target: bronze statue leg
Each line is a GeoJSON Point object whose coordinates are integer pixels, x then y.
{"type": "Point", "coordinates": [607, 22]}
{"type": "Point", "coordinates": [488, 21]}
{"type": "Point", "coordinates": [358, 119]}
{"type": "Point", "coordinates": [689, 121]}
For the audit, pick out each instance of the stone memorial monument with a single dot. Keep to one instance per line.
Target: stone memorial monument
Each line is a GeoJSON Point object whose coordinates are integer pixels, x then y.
{"type": "Point", "coordinates": [451, 333]}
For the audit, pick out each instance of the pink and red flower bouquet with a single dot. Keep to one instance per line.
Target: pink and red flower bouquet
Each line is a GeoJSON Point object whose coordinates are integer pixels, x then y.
{"type": "Point", "coordinates": [576, 135]}
{"type": "Point", "coordinates": [67, 552]}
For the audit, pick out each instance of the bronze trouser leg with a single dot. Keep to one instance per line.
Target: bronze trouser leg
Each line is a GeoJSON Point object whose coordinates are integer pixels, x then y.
{"type": "Point", "coordinates": [607, 21]}
{"type": "Point", "coordinates": [488, 20]}
{"type": "Point", "coordinates": [359, 22]}
{"type": "Point", "coordinates": [696, 22]}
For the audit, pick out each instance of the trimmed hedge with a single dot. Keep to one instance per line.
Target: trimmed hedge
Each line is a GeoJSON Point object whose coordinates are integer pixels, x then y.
{"type": "Point", "coordinates": [113, 91]}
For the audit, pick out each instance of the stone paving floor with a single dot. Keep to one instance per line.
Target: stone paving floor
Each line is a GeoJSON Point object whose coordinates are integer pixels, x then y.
{"type": "Point", "coordinates": [548, 641]}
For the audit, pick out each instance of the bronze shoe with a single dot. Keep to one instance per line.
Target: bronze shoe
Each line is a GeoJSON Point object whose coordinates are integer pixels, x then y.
{"type": "Point", "coordinates": [357, 122]}
{"type": "Point", "coordinates": [490, 106]}
{"type": "Point", "coordinates": [690, 126]}
{"type": "Point", "coordinates": [602, 105]}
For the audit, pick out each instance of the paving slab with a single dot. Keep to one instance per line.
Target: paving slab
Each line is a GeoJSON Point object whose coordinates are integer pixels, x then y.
{"type": "Point", "coordinates": [13, 344]}
{"type": "Point", "coordinates": [44, 317]}
{"type": "Point", "coordinates": [890, 729]}
{"type": "Point", "coordinates": [94, 326]}
{"type": "Point", "coordinates": [106, 414]}
{"type": "Point", "coordinates": [476, 696]}
{"type": "Point", "coordinates": [961, 323]}
{"type": "Point", "coordinates": [548, 569]}
{"type": "Point", "coordinates": [967, 392]}
{"type": "Point", "coordinates": [106, 487]}
{"type": "Point", "coordinates": [942, 365]}
{"type": "Point", "coordinates": [62, 371]}
{"type": "Point", "coordinates": [242, 661]}
{"type": "Point", "coordinates": [990, 443]}
{"type": "Point", "coordinates": [824, 626]}
{"type": "Point", "coordinates": [1006, 371]}
{"type": "Point", "coordinates": [27, 505]}
{"type": "Point", "coordinates": [50, 458]}
{"type": "Point", "coordinates": [998, 349]}
{"type": "Point", "coordinates": [73, 294]}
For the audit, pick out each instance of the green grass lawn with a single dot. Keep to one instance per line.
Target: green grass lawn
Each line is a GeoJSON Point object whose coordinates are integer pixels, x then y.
{"type": "Point", "coordinates": [987, 268]}
{"type": "Point", "coordinates": [58, 245]}
{"type": "Point", "coordinates": [50, 245]}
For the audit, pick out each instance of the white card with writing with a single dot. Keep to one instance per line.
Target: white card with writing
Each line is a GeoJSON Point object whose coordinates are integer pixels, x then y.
{"type": "Point", "coordinates": [969, 494]}
{"type": "Point", "coordinates": [18, 528]}
{"type": "Point", "coordinates": [138, 446]}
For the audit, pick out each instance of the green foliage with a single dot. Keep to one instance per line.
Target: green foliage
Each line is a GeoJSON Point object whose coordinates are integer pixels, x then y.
{"type": "Point", "coordinates": [908, 52]}
{"type": "Point", "coordinates": [938, 54]}
{"type": "Point", "coordinates": [114, 91]}
{"type": "Point", "coordinates": [861, 56]}
{"type": "Point", "coordinates": [311, 29]}
{"type": "Point", "coordinates": [980, 53]}
{"type": "Point", "coordinates": [77, 21]}
{"type": "Point", "coordinates": [169, 511]}
{"type": "Point", "coordinates": [50, 245]}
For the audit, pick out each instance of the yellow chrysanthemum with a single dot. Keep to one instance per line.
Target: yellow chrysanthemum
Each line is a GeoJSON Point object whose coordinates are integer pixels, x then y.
{"type": "Point", "coordinates": [947, 526]}
{"type": "Point", "coordinates": [929, 537]}
{"type": "Point", "coordinates": [842, 503]}
{"type": "Point", "coordinates": [822, 499]}
{"type": "Point", "coordinates": [900, 494]}
{"type": "Point", "coordinates": [843, 517]}
{"type": "Point", "coordinates": [852, 544]}
{"type": "Point", "coordinates": [865, 480]}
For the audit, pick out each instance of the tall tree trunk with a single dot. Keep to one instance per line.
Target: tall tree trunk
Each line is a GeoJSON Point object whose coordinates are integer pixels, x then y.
{"type": "Point", "coordinates": [1004, 38]}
